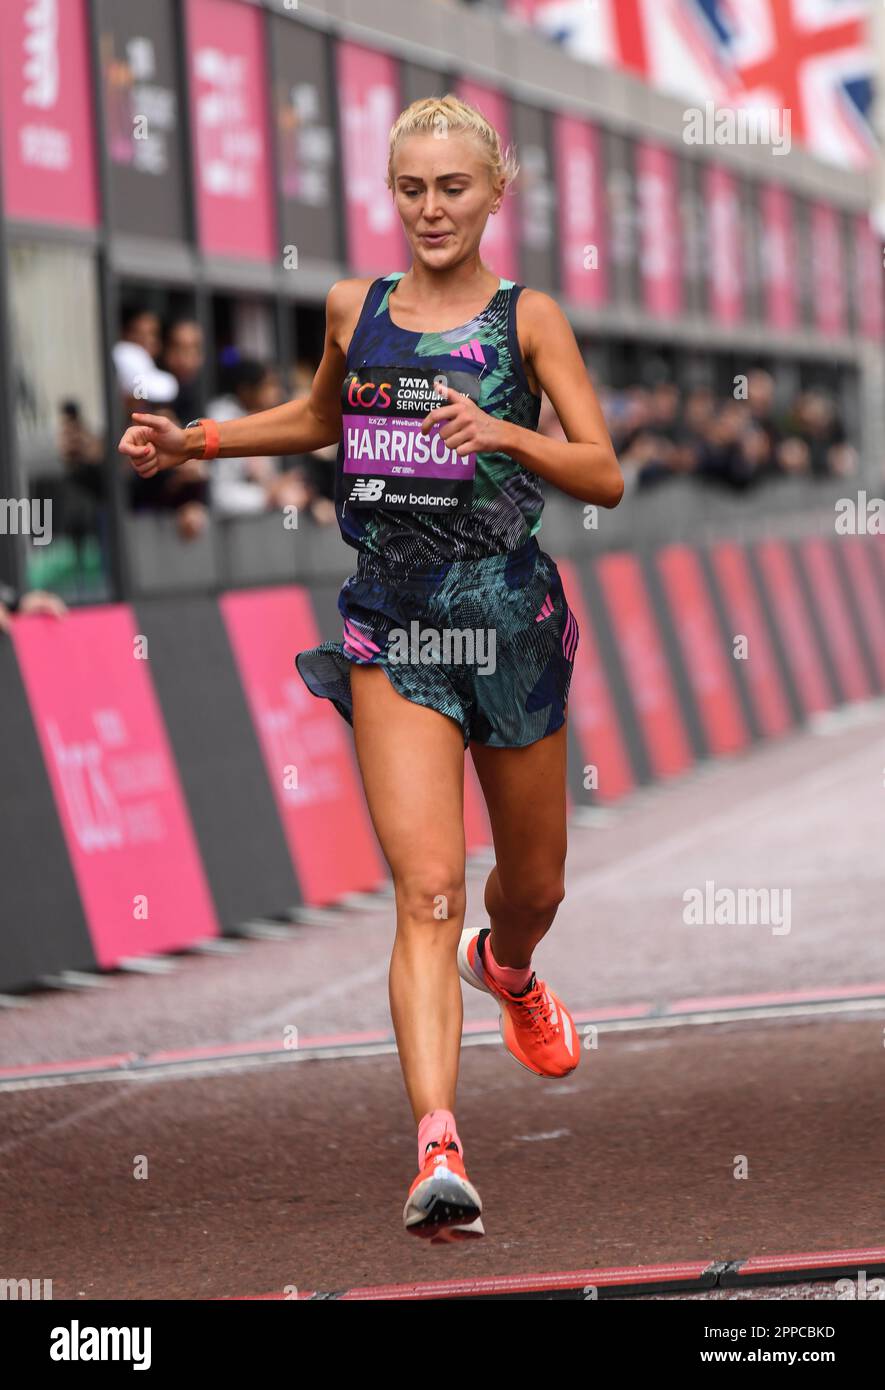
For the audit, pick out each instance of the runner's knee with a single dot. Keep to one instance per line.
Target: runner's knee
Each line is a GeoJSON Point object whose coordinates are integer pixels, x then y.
{"type": "Point", "coordinates": [429, 894]}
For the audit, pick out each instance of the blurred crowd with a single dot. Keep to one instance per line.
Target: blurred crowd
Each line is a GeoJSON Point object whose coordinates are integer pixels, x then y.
{"type": "Point", "coordinates": [159, 368]}
{"type": "Point", "coordinates": [659, 432]}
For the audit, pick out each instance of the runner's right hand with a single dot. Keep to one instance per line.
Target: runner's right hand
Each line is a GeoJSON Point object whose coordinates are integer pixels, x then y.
{"type": "Point", "coordinates": [152, 444]}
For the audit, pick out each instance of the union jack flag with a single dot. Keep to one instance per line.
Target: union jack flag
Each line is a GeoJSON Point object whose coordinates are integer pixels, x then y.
{"type": "Point", "coordinates": [811, 57]}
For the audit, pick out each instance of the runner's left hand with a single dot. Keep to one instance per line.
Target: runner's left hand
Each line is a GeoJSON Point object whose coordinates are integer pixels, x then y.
{"type": "Point", "coordinates": [466, 428]}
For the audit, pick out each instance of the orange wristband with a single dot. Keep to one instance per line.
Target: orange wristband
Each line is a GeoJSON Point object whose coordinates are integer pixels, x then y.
{"type": "Point", "coordinates": [213, 439]}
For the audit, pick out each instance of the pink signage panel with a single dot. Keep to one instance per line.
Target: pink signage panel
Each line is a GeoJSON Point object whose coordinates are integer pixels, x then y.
{"type": "Point", "coordinates": [46, 113]}
{"type": "Point", "coordinates": [726, 270]}
{"type": "Point", "coordinates": [707, 663]}
{"type": "Point", "coordinates": [228, 82]}
{"type": "Point", "coordinates": [499, 243]}
{"type": "Point", "coordinates": [859, 562]}
{"type": "Point", "coordinates": [746, 621]}
{"type": "Point", "coordinates": [828, 269]}
{"type": "Point", "coordinates": [659, 229]}
{"type": "Point", "coordinates": [580, 190]}
{"type": "Point", "coordinates": [304, 742]}
{"type": "Point", "coordinates": [127, 827]}
{"type": "Point", "coordinates": [779, 257]}
{"type": "Point", "coordinates": [793, 625]}
{"type": "Point", "coordinates": [642, 653]}
{"type": "Point", "coordinates": [369, 103]}
{"type": "Point", "coordinates": [592, 710]}
{"type": "Point", "coordinates": [819, 561]}
{"type": "Point", "coordinates": [869, 279]}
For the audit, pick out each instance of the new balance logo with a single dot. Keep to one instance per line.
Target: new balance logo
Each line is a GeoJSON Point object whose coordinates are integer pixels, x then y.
{"type": "Point", "coordinates": [367, 489]}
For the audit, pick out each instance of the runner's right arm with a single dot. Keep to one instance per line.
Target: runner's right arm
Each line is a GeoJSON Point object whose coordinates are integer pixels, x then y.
{"type": "Point", "coordinates": [154, 443]}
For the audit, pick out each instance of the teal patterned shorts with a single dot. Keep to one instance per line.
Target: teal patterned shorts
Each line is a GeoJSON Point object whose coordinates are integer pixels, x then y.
{"type": "Point", "coordinates": [489, 642]}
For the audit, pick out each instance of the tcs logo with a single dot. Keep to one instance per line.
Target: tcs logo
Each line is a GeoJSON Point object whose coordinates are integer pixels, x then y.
{"type": "Point", "coordinates": [356, 394]}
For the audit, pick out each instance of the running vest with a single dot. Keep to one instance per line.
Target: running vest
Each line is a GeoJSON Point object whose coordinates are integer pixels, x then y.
{"type": "Point", "coordinates": [406, 499]}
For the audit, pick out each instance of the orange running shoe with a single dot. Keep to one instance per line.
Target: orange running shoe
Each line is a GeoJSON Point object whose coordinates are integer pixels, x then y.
{"type": "Point", "coordinates": [537, 1028]}
{"type": "Point", "coordinates": [443, 1205]}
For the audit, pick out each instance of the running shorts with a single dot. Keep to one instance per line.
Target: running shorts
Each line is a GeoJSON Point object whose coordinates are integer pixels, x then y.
{"type": "Point", "coordinates": [488, 642]}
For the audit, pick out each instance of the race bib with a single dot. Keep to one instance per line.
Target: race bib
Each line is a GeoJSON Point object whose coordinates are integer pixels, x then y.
{"type": "Point", "coordinates": [386, 460]}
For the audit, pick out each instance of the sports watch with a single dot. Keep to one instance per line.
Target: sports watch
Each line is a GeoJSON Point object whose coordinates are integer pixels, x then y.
{"type": "Point", "coordinates": [210, 430]}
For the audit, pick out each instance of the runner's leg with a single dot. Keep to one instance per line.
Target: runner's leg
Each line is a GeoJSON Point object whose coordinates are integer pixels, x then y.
{"type": "Point", "coordinates": [525, 792]}
{"type": "Point", "coordinates": [411, 759]}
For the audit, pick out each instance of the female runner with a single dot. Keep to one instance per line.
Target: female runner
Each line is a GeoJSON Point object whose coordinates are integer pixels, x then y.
{"type": "Point", "coordinates": [442, 503]}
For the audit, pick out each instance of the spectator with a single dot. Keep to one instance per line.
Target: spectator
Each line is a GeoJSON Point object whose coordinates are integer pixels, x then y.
{"type": "Point", "coordinates": [760, 398]}
{"type": "Point", "coordinates": [182, 491]}
{"type": "Point", "coordinates": [83, 481]}
{"type": "Point", "coordinates": [35, 601]}
{"type": "Point", "coordinates": [315, 470]}
{"type": "Point", "coordinates": [183, 356]}
{"type": "Point", "coordinates": [134, 358]}
{"type": "Point", "coordinates": [244, 486]}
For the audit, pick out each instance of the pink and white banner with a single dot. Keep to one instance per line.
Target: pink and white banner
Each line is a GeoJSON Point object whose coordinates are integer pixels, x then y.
{"type": "Point", "coordinates": [659, 229]}
{"type": "Point", "coordinates": [368, 97]}
{"type": "Point", "coordinates": [580, 199]}
{"type": "Point", "coordinates": [113, 775]}
{"type": "Point", "coordinates": [726, 271]}
{"type": "Point", "coordinates": [779, 257]}
{"type": "Point", "coordinates": [499, 243]}
{"type": "Point", "coordinates": [46, 113]}
{"type": "Point", "coordinates": [828, 269]}
{"type": "Point", "coordinates": [869, 279]}
{"type": "Point", "coordinates": [231, 138]}
{"type": "Point", "coordinates": [304, 742]}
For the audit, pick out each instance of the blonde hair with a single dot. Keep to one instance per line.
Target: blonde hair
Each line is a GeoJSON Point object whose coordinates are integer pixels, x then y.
{"type": "Point", "coordinates": [447, 115]}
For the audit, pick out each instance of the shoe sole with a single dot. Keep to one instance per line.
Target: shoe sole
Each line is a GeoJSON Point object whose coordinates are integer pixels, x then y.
{"type": "Point", "coordinates": [444, 1210]}
{"type": "Point", "coordinates": [468, 974]}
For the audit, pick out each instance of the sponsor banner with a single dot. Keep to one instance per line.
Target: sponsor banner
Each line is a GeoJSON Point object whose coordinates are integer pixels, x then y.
{"type": "Point", "coordinates": [218, 758]}
{"type": "Point", "coordinates": [499, 241]}
{"type": "Point", "coordinates": [386, 460]}
{"type": "Point", "coordinates": [44, 929]}
{"type": "Point", "coordinates": [726, 296]}
{"type": "Point", "coordinates": [805, 262]}
{"type": "Point", "coordinates": [46, 113]}
{"type": "Point", "coordinates": [369, 103]}
{"type": "Point", "coordinates": [228, 84]}
{"type": "Point", "coordinates": [779, 257]}
{"type": "Point", "coordinates": [623, 218]}
{"type": "Point", "coordinates": [858, 560]}
{"type": "Point", "coordinates": [659, 229]}
{"type": "Point", "coordinates": [641, 650]}
{"type": "Point", "coordinates": [793, 626]}
{"type": "Point", "coordinates": [745, 620]}
{"type": "Point", "coordinates": [536, 198]}
{"type": "Point", "coordinates": [139, 83]}
{"type": "Point", "coordinates": [304, 745]}
{"type": "Point", "coordinates": [828, 269]}
{"type": "Point", "coordinates": [116, 786]}
{"type": "Point", "coordinates": [693, 236]}
{"type": "Point", "coordinates": [303, 112]}
{"type": "Point", "coordinates": [706, 663]}
{"type": "Point", "coordinates": [592, 713]}
{"type": "Point", "coordinates": [868, 280]}
{"type": "Point", "coordinates": [819, 564]}
{"type": "Point", "coordinates": [580, 185]}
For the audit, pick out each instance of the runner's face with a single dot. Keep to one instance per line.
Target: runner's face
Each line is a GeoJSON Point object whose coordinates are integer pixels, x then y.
{"type": "Point", "coordinates": [443, 185]}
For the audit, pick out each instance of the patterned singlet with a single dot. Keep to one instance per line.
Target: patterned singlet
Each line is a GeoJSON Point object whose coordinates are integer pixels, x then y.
{"type": "Point", "coordinates": [482, 358]}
